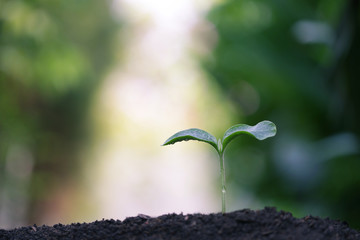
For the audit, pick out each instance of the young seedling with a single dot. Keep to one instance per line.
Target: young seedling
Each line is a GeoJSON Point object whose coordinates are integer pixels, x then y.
{"type": "Point", "coordinates": [260, 131]}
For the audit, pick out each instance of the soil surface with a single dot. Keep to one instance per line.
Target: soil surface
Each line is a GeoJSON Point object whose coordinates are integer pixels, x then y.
{"type": "Point", "coordinates": [244, 224]}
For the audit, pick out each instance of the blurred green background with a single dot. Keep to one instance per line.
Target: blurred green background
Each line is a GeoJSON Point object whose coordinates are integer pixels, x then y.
{"type": "Point", "coordinates": [292, 62]}
{"type": "Point", "coordinates": [296, 64]}
{"type": "Point", "coordinates": [52, 55]}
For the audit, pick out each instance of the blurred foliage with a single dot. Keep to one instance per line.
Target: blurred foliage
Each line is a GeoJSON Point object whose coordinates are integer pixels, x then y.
{"type": "Point", "coordinates": [291, 62]}
{"type": "Point", "coordinates": [294, 63]}
{"type": "Point", "coordinates": [52, 55]}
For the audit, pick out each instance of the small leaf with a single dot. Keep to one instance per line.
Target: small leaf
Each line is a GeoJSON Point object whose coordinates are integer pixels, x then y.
{"type": "Point", "coordinates": [261, 131]}
{"type": "Point", "coordinates": [192, 134]}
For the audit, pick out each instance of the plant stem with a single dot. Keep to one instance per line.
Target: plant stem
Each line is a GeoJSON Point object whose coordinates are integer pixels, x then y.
{"type": "Point", "coordinates": [223, 188]}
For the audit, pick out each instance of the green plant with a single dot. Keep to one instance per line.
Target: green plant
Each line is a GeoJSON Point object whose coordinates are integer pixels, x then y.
{"type": "Point", "coordinates": [260, 131]}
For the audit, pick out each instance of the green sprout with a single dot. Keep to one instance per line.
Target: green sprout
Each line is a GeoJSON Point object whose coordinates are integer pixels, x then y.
{"type": "Point", "coordinates": [260, 131]}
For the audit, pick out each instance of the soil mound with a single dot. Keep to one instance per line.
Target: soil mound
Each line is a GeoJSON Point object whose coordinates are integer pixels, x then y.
{"type": "Point", "coordinates": [244, 224]}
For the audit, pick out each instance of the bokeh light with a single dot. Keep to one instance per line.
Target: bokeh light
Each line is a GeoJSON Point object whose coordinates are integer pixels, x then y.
{"type": "Point", "coordinates": [89, 90]}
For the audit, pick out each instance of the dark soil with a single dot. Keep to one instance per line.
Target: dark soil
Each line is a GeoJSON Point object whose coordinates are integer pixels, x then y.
{"type": "Point", "coordinates": [244, 224]}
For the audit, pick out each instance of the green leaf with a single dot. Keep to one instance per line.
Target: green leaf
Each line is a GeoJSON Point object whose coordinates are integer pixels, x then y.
{"type": "Point", "coordinates": [261, 131]}
{"type": "Point", "coordinates": [192, 134]}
